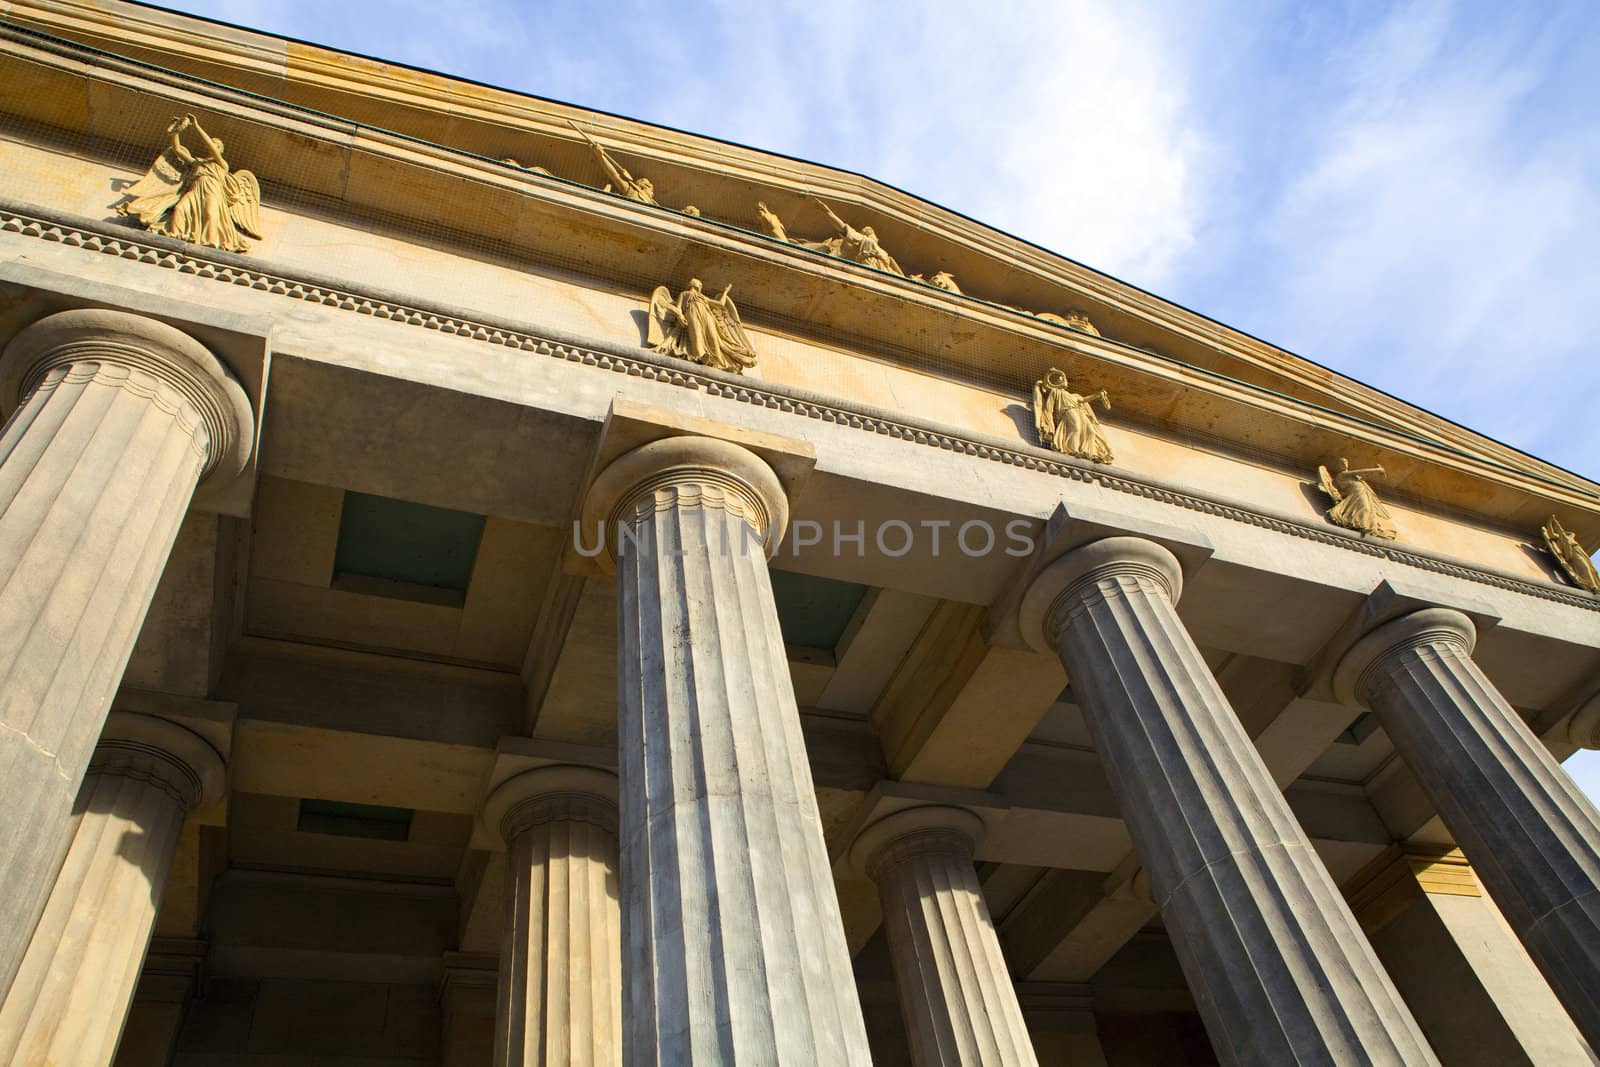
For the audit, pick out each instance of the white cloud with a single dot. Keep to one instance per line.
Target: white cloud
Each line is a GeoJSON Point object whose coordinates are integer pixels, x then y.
{"type": "Point", "coordinates": [1438, 242]}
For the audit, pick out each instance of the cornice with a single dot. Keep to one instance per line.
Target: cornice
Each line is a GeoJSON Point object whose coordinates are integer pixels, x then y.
{"type": "Point", "coordinates": [1206, 346]}
{"type": "Point", "coordinates": [225, 268]}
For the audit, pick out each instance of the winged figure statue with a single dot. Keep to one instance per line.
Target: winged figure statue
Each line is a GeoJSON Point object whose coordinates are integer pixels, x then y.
{"type": "Point", "coordinates": [1569, 553]}
{"type": "Point", "coordinates": [1355, 503]}
{"type": "Point", "coordinates": [698, 328]}
{"type": "Point", "coordinates": [196, 196]}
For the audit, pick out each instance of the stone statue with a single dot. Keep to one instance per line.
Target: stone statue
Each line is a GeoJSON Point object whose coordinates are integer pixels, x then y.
{"type": "Point", "coordinates": [1570, 555]}
{"type": "Point", "coordinates": [1066, 421]}
{"type": "Point", "coordinates": [775, 227]}
{"type": "Point", "coordinates": [698, 328]}
{"type": "Point", "coordinates": [1073, 320]}
{"type": "Point", "coordinates": [196, 197]}
{"type": "Point", "coordinates": [511, 161]}
{"type": "Point", "coordinates": [641, 189]}
{"type": "Point", "coordinates": [1355, 504]}
{"type": "Point", "coordinates": [942, 280]}
{"type": "Point", "coordinates": [858, 246]}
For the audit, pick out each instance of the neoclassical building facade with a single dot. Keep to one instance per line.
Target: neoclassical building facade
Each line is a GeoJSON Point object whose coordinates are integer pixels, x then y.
{"type": "Point", "coordinates": [488, 582]}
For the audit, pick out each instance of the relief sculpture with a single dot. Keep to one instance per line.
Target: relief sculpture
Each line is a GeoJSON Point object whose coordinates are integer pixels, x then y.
{"type": "Point", "coordinates": [1570, 555]}
{"type": "Point", "coordinates": [1355, 503]}
{"type": "Point", "coordinates": [858, 246]}
{"type": "Point", "coordinates": [698, 328]}
{"type": "Point", "coordinates": [642, 190]}
{"type": "Point", "coordinates": [196, 196]}
{"type": "Point", "coordinates": [1066, 420]}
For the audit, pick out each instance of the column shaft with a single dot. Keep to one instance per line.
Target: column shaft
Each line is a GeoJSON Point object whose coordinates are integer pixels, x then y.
{"type": "Point", "coordinates": [97, 468]}
{"type": "Point", "coordinates": [956, 996]}
{"type": "Point", "coordinates": [73, 990]}
{"type": "Point", "coordinates": [733, 941]}
{"type": "Point", "coordinates": [1532, 837]}
{"type": "Point", "coordinates": [560, 989]}
{"type": "Point", "coordinates": [1280, 970]}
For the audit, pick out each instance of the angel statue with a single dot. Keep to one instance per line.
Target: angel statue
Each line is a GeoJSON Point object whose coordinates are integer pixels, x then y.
{"type": "Point", "coordinates": [1574, 561]}
{"type": "Point", "coordinates": [699, 328]}
{"type": "Point", "coordinates": [641, 189]}
{"type": "Point", "coordinates": [1355, 504]}
{"type": "Point", "coordinates": [196, 197]}
{"type": "Point", "coordinates": [1066, 420]}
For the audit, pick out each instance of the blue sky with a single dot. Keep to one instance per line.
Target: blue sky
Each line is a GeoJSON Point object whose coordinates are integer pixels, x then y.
{"type": "Point", "coordinates": [1408, 193]}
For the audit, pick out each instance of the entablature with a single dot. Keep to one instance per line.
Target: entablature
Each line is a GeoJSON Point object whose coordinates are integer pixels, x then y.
{"type": "Point", "coordinates": [1229, 393]}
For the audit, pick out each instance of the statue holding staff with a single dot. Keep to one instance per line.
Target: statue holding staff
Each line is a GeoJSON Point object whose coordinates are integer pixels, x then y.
{"type": "Point", "coordinates": [1355, 503]}
{"type": "Point", "coordinates": [1066, 420]}
{"type": "Point", "coordinates": [858, 246]}
{"type": "Point", "coordinates": [641, 189]}
{"type": "Point", "coordinates": [196, 196]}
{"type": "Point", "coordinates": [1570, 555]}
{"type": "Point", "coordinates": [698, 328]}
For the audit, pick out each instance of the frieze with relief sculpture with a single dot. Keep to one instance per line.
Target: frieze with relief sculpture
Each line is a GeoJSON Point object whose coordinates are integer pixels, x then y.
{"type": "Point", "coordinates": [858, 246]}
{"type": "Point", "coordinates": [641, 190]}
{"type": "Point", "coordinates": [697, 328]}
{"type": "Point", "coordinates": [940, 280]}
{"type": "Point", "coordinates": [512, 161]}
{"type": "Point", "coordinates": [1570, 555]}
{"type": "Point", "coordinates": [195, 195]}
{"type": "Point", "coordinates": [1355, 503]}
{"type": "Point", "coordinates": [1066, 420]}
{"type": "Point", "coordinates": [1073, 320]}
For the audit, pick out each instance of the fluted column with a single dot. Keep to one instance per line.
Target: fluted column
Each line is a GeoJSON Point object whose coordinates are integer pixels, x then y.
{"type": "Point", "coordinates": [956, 996]}
{"type": "Point", "coordinates": [1531, 835]}
{"type": "Point", "coordinates": [71, 995]}
{"type": "Point", "coordinates": [560, 989]}
{"type": "Point", "coordinates": [1278, 966]}
{"type": "Point", "coordinates": [120, 417]}
{"type": "Point", "coordinates": [734, 949]}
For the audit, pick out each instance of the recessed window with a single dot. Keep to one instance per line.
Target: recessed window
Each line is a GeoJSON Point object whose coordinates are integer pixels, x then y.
{"type": "Point", "coordinates": [408, 551]}
{"type": "Point", "coordinates": [814, 612]}
{"type": "Point", "coordinates": [355, 820]}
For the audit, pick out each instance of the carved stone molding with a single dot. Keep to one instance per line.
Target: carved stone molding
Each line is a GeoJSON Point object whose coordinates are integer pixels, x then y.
{"type": "Point", "coordinates": [930, 828]}
{"type": "Point", "coordinates": [149, 354]}
{"type": "Point", "coordinates": [789, 400]}
{"type": "Point", "coordinates": [702, 471]}
{"type": "Point", "coordinates": [1361, 668]}
{"type": "Point", "coordinates": [562, 792]}
{"type": "Point", "coordinates": [1053, 593]}
{"type": "Point", "coordinates": [160, 752]}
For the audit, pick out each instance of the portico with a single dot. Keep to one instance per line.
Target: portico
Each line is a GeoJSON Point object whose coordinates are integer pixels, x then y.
{"type": "Point", "coordinates": [405, 659]}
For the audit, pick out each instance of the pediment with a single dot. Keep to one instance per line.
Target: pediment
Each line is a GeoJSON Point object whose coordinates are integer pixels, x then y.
{"type": "Point", "coordinates": [428, 140]}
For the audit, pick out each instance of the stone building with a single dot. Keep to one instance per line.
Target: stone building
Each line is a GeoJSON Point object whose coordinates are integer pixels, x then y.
{"type": "Point", "coordinates": [392, 670]}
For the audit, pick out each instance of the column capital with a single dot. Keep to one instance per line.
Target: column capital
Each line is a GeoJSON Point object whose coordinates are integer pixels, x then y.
{"type": "Point", "coordinates": [1080, 568]}
{"type": "Point", "coordinates": [918, 831]}
{"type": "Point", "coordinates": [561, 792]}
{"type": "Point", "coordinates": [136, 345]}
{"type": "Point", "coordinates": [679, 470]}
{"type": "Point", "coordinates": [1583, 725]}
{"type": "Point", "coordinates": [1363, 665]}
{"type": "Point", "coordinates": [159, 751]}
